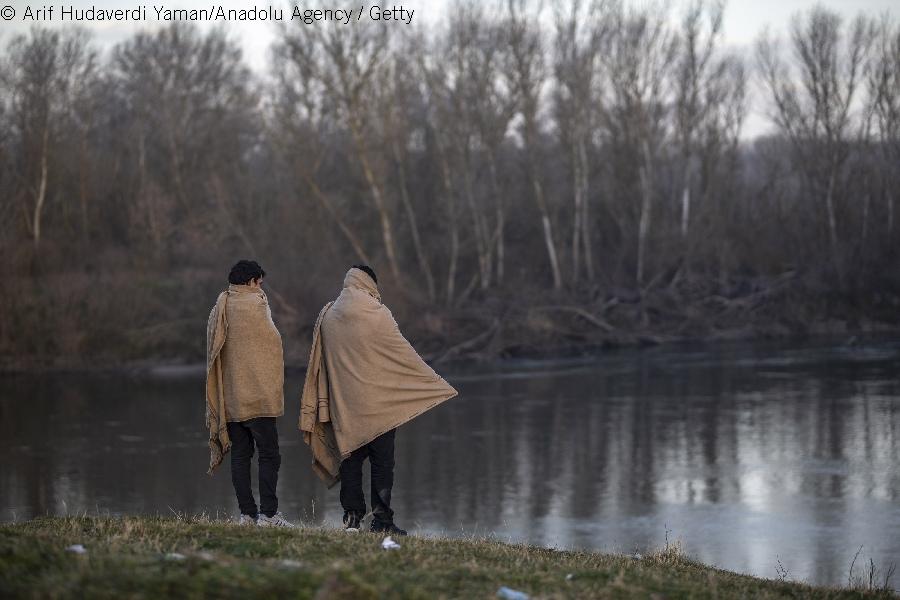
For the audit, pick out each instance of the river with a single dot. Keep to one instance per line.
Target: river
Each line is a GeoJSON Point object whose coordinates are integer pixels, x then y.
{"type": "Point", "coordinates": [749, 455]}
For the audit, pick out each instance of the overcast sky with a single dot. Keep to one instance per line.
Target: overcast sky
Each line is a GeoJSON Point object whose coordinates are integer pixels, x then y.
{"type": "Point", "coordinates": [744, 19]}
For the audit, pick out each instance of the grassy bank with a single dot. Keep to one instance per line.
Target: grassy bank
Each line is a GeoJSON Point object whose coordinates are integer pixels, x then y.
{"type": "Point", "coordinates": [165, 557]}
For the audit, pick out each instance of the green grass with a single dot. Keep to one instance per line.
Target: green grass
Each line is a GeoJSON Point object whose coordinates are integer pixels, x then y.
{"type": "Point", "coordinates": [126, 558]}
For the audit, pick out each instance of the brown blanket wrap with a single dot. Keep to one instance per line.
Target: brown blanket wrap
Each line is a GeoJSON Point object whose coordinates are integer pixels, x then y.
{"type": "Point", "coordinates": [363, 379]}
{"type": "Point", "coordinates": [244, 365]}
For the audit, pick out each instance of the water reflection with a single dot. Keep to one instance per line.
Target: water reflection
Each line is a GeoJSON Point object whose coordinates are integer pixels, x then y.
{"type": "Point", "coordinates": [748, 454]}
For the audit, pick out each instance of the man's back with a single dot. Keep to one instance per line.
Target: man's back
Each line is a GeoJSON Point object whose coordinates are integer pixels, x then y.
{"type": "Point", "coordinates": [364, 380]}
{"type": "Point", "coordinates": [245, 391]}
{"type": "Point", "coordinates": [253, 360]}
{"type": "Point", "coordinates": [376, 379]}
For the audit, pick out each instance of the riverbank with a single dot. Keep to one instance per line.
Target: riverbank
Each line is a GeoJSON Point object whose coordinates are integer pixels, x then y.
{"type": "Point", "coordinates": [529, 326]}
{"type": "Point", "coordinates": [178, 369]}
{"type": "Point", "coordinates": [151, 557]}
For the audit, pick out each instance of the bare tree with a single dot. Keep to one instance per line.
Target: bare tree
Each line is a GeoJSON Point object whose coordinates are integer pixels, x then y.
{"type": "Point", "coordinates": [490, 108]}
{"type": "Point", "coordinates": [814, 103]}
{"type": "Point", "coordinates": [46, 73]}
{"type": "Point", "coordinates": [188, 107]}
{"type": "Point", "coordinates": [491, 158]}
{"type": "Point", "coordinates": [348, 63]}
{"type": "Point", "coordinates": [527, 77]}
{"type": "Point", "coordinates": [398, 90]}
{"type": "Point", "coordinates": [302, 124]}
{"type": "Point", "coordinates": [433, 72]}
{"type": "Point", "coordinates": [582, 32]}
{"type": "Point", "coordinates": [474, 110]}
{"type": "Point", "coordinates": [7, 208]}
{"type": "Point", "coordinates": [697, 72]}
{"type": "Point", "coordinates": [710, 107]}
{"type": "Point", "coordinates": [884, 95]}
{"type": "Point", "coordinates": [638, 66]}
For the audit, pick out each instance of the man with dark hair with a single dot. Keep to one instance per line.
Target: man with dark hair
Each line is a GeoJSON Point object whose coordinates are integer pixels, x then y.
{"type": "Point", "coordinates": [363, 381]}
{"type": "Point", "coordinates": [245, 391]}
{"type": "Point", "coordinates": [246, 272]}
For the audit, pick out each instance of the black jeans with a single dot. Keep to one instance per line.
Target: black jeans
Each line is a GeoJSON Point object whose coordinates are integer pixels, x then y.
{"type": "Point", "coordinates": [262, 433]}
{"type": "Point", "coordinates": [380, 453]}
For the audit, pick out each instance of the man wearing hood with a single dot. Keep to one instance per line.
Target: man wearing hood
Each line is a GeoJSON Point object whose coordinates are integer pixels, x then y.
{"type": "Point", "coordinates": [363, 381]}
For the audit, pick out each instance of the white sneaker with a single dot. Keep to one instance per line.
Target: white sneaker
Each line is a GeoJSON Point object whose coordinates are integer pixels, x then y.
{"type": "Point", "coordinates": [277, 520]}
{"type": "Point", "coordinates": [247, 520]}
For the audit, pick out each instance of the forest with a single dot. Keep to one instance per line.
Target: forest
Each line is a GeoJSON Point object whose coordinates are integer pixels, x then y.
{"type": "Point", "coordinates": [525, 180]}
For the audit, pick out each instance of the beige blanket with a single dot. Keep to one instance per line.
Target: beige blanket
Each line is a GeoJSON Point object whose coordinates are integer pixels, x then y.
{"type": "Point", "coordinates": [363, 379]}
{"type": "Point", "coordinates": [244, 365]}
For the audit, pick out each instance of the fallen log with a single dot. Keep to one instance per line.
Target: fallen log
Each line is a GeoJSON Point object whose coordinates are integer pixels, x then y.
{"type": "Point", "coordinates": [587, 316]}
{"type": "Point", "coordinates": [470, 343]}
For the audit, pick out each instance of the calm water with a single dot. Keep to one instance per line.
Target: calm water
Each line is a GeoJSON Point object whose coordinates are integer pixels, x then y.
{"type": "Point", "coordinates": [748, 454]}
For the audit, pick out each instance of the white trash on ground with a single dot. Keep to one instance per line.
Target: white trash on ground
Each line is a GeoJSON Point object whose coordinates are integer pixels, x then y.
{"type": "Point", "coordinates": [77, 549]}
{"type": "Point", "coordinates": [175, 556]}
{"type": "Point", "coordinates": [389, 544]}
{"type": "Point", "coordinates": [511, 594]}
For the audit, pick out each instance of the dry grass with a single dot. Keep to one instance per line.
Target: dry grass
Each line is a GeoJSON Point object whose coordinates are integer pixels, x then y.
{"type": "Point", "coordinates": [152, 557]}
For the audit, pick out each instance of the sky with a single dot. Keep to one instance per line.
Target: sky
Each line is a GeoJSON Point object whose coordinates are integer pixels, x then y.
{"type": "Point", "coordinates": [744, 19]}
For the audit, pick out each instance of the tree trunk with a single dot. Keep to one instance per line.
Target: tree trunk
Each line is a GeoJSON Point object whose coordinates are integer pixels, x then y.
{"type": "Point", "coordinates": [865, 218]}
{"type": "Point", "coordinates": [538, 190]}
{"type": "Point", "coordinates": [82, 187]}
{"type": "Point", "coordinates": [451, 213]}
{"type": "Point", "coordinates": [41, 194]}
{"type": "Point", "coordinates": [500, 215]}
{"type": "Point", "coordinates": [832, 225]}
{"type": "Point", "coordinates": [585, 216]}
{"type": "Point", "coordinates": [82, 175]}
{"type": "Point", "coordinates": [387, 230]}
{"type": "Point", "coordinates": [482, 239]}
{"type": "Point", "coordinates": [146, 200]}
{"type": "Point", "coordinates": [551, 250]}
{"type": "Point", "coordinates": [644, 224]}
{"type": "Point", "coordinates": [176, 169]}
{"type": "Point", "coordinates": [890, 211]}
{"type": "Point", "coordinates": [413, 223]}
{"type": "Point", "coordinates": [577, 213]}
{"type": "Point", "coordinates": [345, 229]}
{"type": "Point", "coordinates": [832, 217]}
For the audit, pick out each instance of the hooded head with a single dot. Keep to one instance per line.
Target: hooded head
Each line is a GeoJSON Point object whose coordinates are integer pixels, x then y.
{"type": "Point", "coordinates": [362, 277]}
{"type": "Point", "coordinates": [368, 270]}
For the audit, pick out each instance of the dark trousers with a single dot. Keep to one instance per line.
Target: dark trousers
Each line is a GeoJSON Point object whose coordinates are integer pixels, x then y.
{"type": "Point", "coordinates": [262, 433]}
{"type": "Point", "coordinates": [380, 453]}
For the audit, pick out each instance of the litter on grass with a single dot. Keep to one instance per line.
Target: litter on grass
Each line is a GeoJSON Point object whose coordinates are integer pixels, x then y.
{"type": "Point", "coordinates": [77, 549]}
{"type": "Point", "coordinates": [175, 556]}
{"type": "Point", "coordinates": [389, 544]}
{"type": "Point", "coordinates": [511, 594]}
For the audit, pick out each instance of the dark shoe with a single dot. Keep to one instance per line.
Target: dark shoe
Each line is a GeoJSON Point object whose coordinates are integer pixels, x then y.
{"type": "Point", "coordinates": [352, 521]}
{"type": "Point", "coordinates": [388, 528]}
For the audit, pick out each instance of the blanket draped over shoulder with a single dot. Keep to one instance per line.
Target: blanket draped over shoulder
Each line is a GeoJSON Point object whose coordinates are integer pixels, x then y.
{"type": "Point", "coordinates": [363, 379]}
{"type": "Point", "coordinates": [244, 365]}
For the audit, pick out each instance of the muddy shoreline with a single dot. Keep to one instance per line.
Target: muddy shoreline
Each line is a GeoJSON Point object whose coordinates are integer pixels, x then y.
{"type": "Point", "coordinates": [832, 332]}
